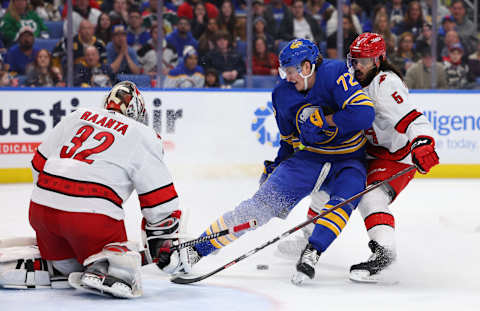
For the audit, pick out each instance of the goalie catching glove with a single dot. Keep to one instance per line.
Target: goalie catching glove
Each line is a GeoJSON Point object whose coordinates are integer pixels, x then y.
{"type": "Point", "coordinates": [158, 238]}
{"type": "Point", "coordinates": [423, 154]}
{"type": "Point", "coordinates": [313, 127]}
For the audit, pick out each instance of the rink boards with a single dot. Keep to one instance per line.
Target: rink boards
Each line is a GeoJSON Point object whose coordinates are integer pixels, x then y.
{"type": "Point", "coordinates": [220, 133]}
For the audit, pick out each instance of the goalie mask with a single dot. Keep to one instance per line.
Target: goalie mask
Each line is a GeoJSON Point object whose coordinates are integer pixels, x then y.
{"type": "Point", "coordinates": [125, 98]}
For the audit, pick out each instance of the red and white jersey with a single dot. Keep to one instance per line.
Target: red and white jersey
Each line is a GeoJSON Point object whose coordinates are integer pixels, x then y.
{"type": "Point", "coordinates": [93, 160]}
{"type": "Point", "coordinates": [397, 122]}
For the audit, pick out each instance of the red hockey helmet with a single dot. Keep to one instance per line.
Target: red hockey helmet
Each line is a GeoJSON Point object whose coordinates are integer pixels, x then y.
{"type": "Point", "coordinates": [368, 45]}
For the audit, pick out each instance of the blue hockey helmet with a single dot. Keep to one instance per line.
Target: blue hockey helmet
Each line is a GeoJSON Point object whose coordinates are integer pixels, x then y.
{"type": "Point", "coordinates": [295, 52]}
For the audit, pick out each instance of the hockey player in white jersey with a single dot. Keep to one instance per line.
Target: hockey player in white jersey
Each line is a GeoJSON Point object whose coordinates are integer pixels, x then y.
{"type": "Point", "coordinates": [400, 135]}
{"type": "Point", "coordinates": [85, 169]}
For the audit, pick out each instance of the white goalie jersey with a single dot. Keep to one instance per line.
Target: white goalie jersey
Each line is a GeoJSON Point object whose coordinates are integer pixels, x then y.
{"type": "Point", "coordinates": [397, 122]}
{"type": "Point", "coordinates": [93, 160]}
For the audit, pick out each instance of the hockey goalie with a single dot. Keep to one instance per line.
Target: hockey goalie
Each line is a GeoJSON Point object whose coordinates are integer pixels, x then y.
{"type": "Point", "coordinates": [88, 165]}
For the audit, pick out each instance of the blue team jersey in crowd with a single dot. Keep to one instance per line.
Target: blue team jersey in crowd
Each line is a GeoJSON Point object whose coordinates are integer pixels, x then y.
{"type": "Point", "coordinates": [335, 91]}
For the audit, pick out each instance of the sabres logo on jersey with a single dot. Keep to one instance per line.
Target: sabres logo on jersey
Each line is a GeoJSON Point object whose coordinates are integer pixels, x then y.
{"type": "Point", "coordinates": [296, 44]}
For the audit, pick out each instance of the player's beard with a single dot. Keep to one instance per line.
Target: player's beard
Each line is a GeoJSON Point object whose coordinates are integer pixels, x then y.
{"type": "Point", "coordinates": [367, 78]}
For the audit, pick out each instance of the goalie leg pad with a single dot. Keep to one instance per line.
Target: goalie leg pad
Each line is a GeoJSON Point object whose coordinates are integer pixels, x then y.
{"type": "Point", "coordinates": [22, 267]}
{"type": "Point", "coordinates": [114, 271]}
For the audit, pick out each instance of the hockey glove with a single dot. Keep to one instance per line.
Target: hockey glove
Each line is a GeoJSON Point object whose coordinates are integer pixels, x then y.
{"type": "Point", "coordinates": [313, 127]}
{"type": "Point", "coordinates": [269, 166]}
{"type": "Point", "coordinates": [423, 153]}
{"type": "Point", "coordinates": [158, 238]}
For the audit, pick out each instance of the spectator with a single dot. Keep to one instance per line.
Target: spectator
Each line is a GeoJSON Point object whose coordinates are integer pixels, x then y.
{"type": "Point", "coordinates": [17, 16]}
{"type": "Point", "coordinates": [427, 6]}
{"type": "Point", "coordinates": [93, 73]}
{"type": "Point", "coordinates": [448, 23]}
{"type": "Point", "coordinates": [451, 38]}
{"type": "Point", "coordinates": [299, 24]}
{"type": "Point", "coordinates": [321, 10]}
{"type": "Point", "coordinates": [419, 75]}
{"type": "Point", "coordinates": [368, 23]}
{"type": "Point", "coordinates": [186, 9]}
{"type": "Point", "coordinates": [464, 27]}
{"type": "Point", "coordinates": [260, 33]}
{"type": "Point", "coordinates": [103, 30]}
{"type": "Point", "coordinates": [425, 37]}
{"type": "Point", "coordinates": [147, 55]}
{"type": "Point", "coordinates": [412, 22]}
{"type": "Point", "coordinates": [119, 14]}
{"type": "Point", "coordinates": [396, 9]}
{"type": "Point", "coordinates": [182, 36]}
{"type": "Point", "coordinates": [83, 38]}
{"type": "Point", "coordinates": [227, 62]}
{"type": "Point", "coordinates": [405, 55]}
{"type": "Point", "coordinates": [264, 62]}
{"type": "Point", "coordinates": [137, 36]}
{"type": "Point", "coordinates": [206, 42]}
{"type": "Point", "coordinates": [46, 11]}
{"type": "Point", "coordinates": [121, 57]}
{"type": "Point", "coordinates": [457, 72]}
{"type": "Point", "coordinates": [227, 19]}
{"type": "Point", "coordinates": [270, 23]}
{"type": "Point", "coordinates": [6, 80]}
{"type": "Point", "coordinates": [149, 17]}
{"type": "Point", "coordinates": [188, 74]}
{"type": "Point", "coordinates": [381, 26]}
{"type": "Point", "coordinates": [474, 62]}
{"type": "Point", "coordinates": [82, 10]}
{"type": "Point", "coordinates": [42, 72]}
{"type": "Point", "coordinates": [23, 53]}
{"type": "Point", "coordinates": [347, 11]}
{"type": "Point", "coordinates": [349, 36]}
{"type": "Point", "coordinates": [279, 11]}
{"type": "Point", "coordinates": [199, 22]}
{"type": "Point", "coordinates": [211, 78]}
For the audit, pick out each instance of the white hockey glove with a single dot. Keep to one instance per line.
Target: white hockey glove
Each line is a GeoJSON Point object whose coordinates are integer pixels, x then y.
{"type": "Point", "coordinates": [158, 238]}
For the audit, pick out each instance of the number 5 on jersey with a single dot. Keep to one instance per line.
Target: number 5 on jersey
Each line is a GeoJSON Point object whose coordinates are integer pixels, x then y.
{"type": "Point", "coordinates": [106, 139]}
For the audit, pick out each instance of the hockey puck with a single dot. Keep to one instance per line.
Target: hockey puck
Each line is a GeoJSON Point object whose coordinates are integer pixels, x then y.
{"type": "Point", "coordinates": [262, 267]}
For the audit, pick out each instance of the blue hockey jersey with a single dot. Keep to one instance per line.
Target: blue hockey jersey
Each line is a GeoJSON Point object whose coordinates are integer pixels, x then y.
{"type": "Point", "coordinates": [336, 92]}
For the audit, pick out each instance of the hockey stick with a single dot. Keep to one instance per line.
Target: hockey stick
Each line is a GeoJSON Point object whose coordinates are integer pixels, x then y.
{"type": "Point", "coordinates": [182, 280]}
{"type": "Point", "coordinates": [248, 225]}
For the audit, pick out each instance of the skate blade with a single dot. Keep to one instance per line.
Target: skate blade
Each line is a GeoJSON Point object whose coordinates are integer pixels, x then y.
{"type": "Point", "coordinates": [298, 278]}
{"type": "Point", "coordinates": [93, 285]}
{"type": "Point", "coordinates": [363, 276]}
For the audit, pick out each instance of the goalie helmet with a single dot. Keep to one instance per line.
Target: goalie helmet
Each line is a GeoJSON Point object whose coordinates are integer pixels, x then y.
{"type": "Point", "coordinates": [125, 98]}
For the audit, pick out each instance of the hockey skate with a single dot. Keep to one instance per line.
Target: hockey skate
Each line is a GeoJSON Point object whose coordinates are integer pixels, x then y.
{"type": "Point", "coordinates": [371, 270]}
{"type": "Point", "coordinates": [96, 280]}
{"type": "Point", "coordinates": [306, 265]}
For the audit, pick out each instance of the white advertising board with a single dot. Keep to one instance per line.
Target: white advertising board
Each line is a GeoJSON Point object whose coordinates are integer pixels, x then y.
{"type": "Point", "coordinates": [219, 128]}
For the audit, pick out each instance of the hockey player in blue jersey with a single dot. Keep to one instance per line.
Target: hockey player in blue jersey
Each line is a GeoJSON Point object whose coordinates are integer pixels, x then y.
{"type": "Point", "coordinates": [321, 112]}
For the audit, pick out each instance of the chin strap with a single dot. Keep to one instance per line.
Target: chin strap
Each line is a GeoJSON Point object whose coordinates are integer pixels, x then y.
{"type": "Point", "coordinates": [305, 78]}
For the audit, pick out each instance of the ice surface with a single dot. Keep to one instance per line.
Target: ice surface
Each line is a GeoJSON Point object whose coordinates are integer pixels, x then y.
{"type": "Point", "coordinates": [438, 237]}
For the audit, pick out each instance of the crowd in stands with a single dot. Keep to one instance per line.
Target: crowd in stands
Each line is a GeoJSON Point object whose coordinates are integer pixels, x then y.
{"type": "Point", "coordinates": [205, 40]}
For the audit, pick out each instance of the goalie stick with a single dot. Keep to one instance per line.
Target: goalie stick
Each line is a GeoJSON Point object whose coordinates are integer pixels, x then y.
{"type": "Point", "coordinates": [248, 225]}
{"type": "Point", "coordinates": [184, 280]}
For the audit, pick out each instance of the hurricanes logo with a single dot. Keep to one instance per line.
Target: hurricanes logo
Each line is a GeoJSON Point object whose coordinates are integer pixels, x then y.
{"type": "Point", "coordinates": [265, 126]}
{"type": "Point", "coordinates": [295, 44]}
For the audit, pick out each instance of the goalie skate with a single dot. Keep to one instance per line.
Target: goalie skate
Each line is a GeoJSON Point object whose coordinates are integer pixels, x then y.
{"type": "Point", "coordinates": [377, 269]}
{"type": "Point", "coordinates": [98, 284]}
